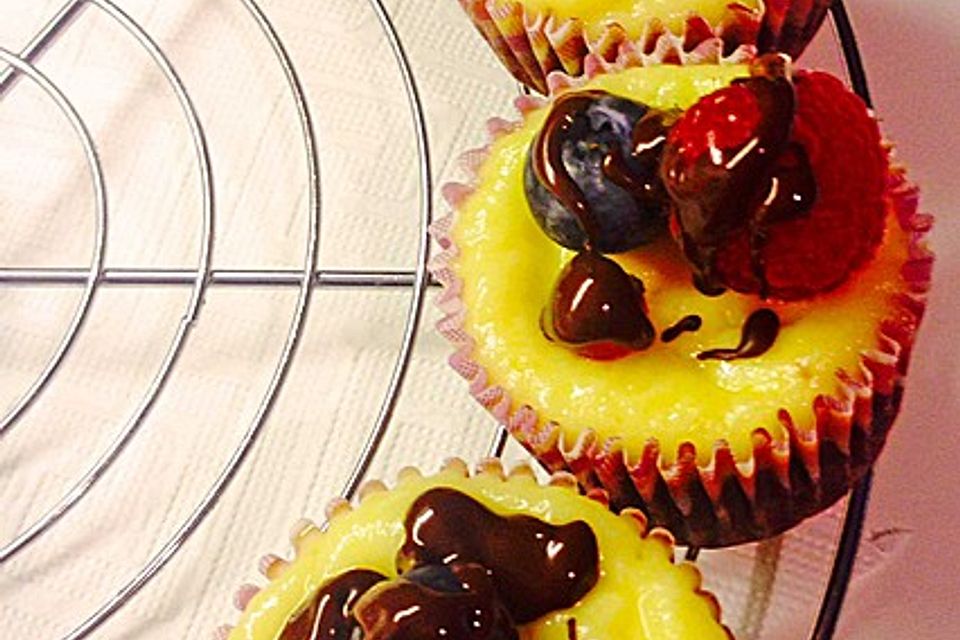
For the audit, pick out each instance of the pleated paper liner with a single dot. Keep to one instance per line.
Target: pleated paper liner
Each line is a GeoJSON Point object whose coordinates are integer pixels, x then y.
{"type": "Point", "coordinates": [532, 44]}
{"type": "Point", "coordinates": [727, 501]}
{"type": "Point", "coordinates": [306, 534]}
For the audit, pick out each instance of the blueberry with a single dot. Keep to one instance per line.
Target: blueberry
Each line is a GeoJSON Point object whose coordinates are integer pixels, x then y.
{"type": "Point", "coordinates": [604, 153]}
{"type": "Point", "coordinates": [438, 577]}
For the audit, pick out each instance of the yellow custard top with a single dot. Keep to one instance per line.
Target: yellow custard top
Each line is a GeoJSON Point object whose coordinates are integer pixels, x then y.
{"type": "Point", "coordinates": [641, 594]}
{"type": "Point", "coordinates": [634, 15]}
{"type": "Point", "coordinates": [508, 267]}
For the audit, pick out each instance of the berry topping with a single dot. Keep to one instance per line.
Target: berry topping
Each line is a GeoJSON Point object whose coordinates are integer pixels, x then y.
{"type": "Point", "coordinates": [592, 175]}
{"type": "Point", "coordinates": [598, 309]}
{"type": "Point", "coordinates": [438, 577]}
{"type": "Point", "coordinates": [777, 183]}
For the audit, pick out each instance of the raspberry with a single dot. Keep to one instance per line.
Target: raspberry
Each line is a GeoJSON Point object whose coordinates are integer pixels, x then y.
{"type": "Point", "coordinates": [797, 218]}
{"type": "Point", "coordinates": [725, 119]}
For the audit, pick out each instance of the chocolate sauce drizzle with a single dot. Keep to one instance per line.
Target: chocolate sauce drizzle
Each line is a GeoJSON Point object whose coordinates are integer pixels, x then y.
{"type": "Point", "coordinates": [595, 300]}
{"type": "Point", "coordinates": [330, 614]}
{"type": "Point", "coordinates": [548, 158]}
{"type": "Point", "coordinates": [758, 336]}
{"type": "Point", "coordinates": [466, 573]}
{"type": "Point", "coordinates": [641, 176]}
{"type": "Point", "coordinates": [536, 567]}
{"type": "Point", "coordinates": [461, 605]}
{"type": "Point", "coordinates": [689, 324]}
{"type": "Point", "coordinates": [743, 189]}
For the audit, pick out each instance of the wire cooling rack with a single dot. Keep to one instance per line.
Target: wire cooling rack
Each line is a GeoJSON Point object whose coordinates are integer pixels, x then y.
{"type": "Point", "coordinates": [21, 68]}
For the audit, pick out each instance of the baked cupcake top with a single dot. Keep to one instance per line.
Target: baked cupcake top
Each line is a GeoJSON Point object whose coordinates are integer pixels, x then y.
{"type": "Point", "coordinates": [667, 392]}
{"type": "Point", "coordinates": [736, 333]}
{"type": "Point", "coordinates": [508, 558]}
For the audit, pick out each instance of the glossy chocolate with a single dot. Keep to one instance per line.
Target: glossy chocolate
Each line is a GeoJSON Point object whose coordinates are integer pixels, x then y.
{"type": "Point", "coordinates": [689, 324]}
{"type": "Point", "coordinates": [536, 567]}
{"type": "Point", "coordinates": [548, 157]}
{"type": "Point", "coordinates": [759, 333]}
{"type": "Point", "coordinates": [456, 601]}
{"type": "Point", "coordinates": [330, 614]}
{"type": "Point", "coordinates": [640, 175]}
{"type": "Point", "coordinates": [743, 189]}
{"type": "Point", "coordinates": [594, 302]}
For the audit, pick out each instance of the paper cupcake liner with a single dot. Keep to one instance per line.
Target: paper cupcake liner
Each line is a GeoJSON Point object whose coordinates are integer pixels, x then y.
{"type": "Point", "coordinates": [790, 25]}
{"type": "Point", "coordinates": [532, 44]}
{"type": "Point", "coordinates": [725, 502]}
{"type": "Point", "coordinates": [273, 566]}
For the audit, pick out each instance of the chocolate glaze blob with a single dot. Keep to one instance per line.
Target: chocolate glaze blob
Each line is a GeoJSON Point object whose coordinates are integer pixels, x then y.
{"type": "Point", "coordinates": [330, 615]}
{"type": "Point", "coordinates": [456, 601]}
{"type": "Point", "coordinates": [743, 175]}
{"type": "Point", "coordinates": [598, 308]}
{"type": "Point", "coordinates": [536, 567]}
{"type": "Point", "coordinates": [466, 573]}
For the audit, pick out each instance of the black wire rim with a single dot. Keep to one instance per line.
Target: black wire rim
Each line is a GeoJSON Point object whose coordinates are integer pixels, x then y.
{"type": "Point", "coordinates": [846, 556]}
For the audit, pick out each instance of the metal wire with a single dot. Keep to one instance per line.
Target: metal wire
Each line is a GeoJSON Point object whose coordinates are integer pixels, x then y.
{"type": "Point", "coordinates": [40, 42]}
{"type": "Point", "coordinates": [88, 277]}
{"type": "Point", "coordinates": [333, 278]}
{"type": "Point", "coordinates": [499, 442]}
{"type": "Point", "coordinates": [832, 603]}
{"type": "Point", "coordinates": [846, 555]}
{"type": "Point", "coordinates": [421, 280]}
{"type": "Point", "coordinates": [229, 471]}
{"type": "Point", "coordinates": [851, 51]}
{"type": "Point", "coordinates": [129, 430]}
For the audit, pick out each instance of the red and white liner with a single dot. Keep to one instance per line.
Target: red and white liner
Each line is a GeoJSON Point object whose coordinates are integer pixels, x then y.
{"type": "Point", "coordinates": [725, 502]}
{"type": "Point", "coordinates": [532, 44]}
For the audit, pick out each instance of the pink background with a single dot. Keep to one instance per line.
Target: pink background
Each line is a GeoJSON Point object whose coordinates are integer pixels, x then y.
{"type": "Point", "coordinates": [912, 54]}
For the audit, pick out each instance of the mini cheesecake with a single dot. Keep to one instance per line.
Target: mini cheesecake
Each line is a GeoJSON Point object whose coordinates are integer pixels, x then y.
{"type": "Point", "coordinates": [742, 413]}
{"type": "Point", "coordinates": [478, 557]}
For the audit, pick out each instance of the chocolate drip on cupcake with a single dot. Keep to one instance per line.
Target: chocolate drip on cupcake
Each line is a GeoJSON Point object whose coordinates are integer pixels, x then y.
{"type": "Point", "coordinates": [458, 600]}
{"type": "Point", "coordinates": [759, 334]}
{"type": "Point", "coordinates": [537, 567]}
{"type": "Point", "coordinates": [687, 324]}
{"type": "Point", "coordinates": [330, 614]}
{"type": "Point", "coordinates": [593, 184]}
{"type": "Point", "coordinates": [732, 172]}
{"type": "Point", "coordinates": [465, 573]}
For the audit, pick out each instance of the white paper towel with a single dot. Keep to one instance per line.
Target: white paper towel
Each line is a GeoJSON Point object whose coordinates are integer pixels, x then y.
{"type": "Point", "coordinates": [342, 367]}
